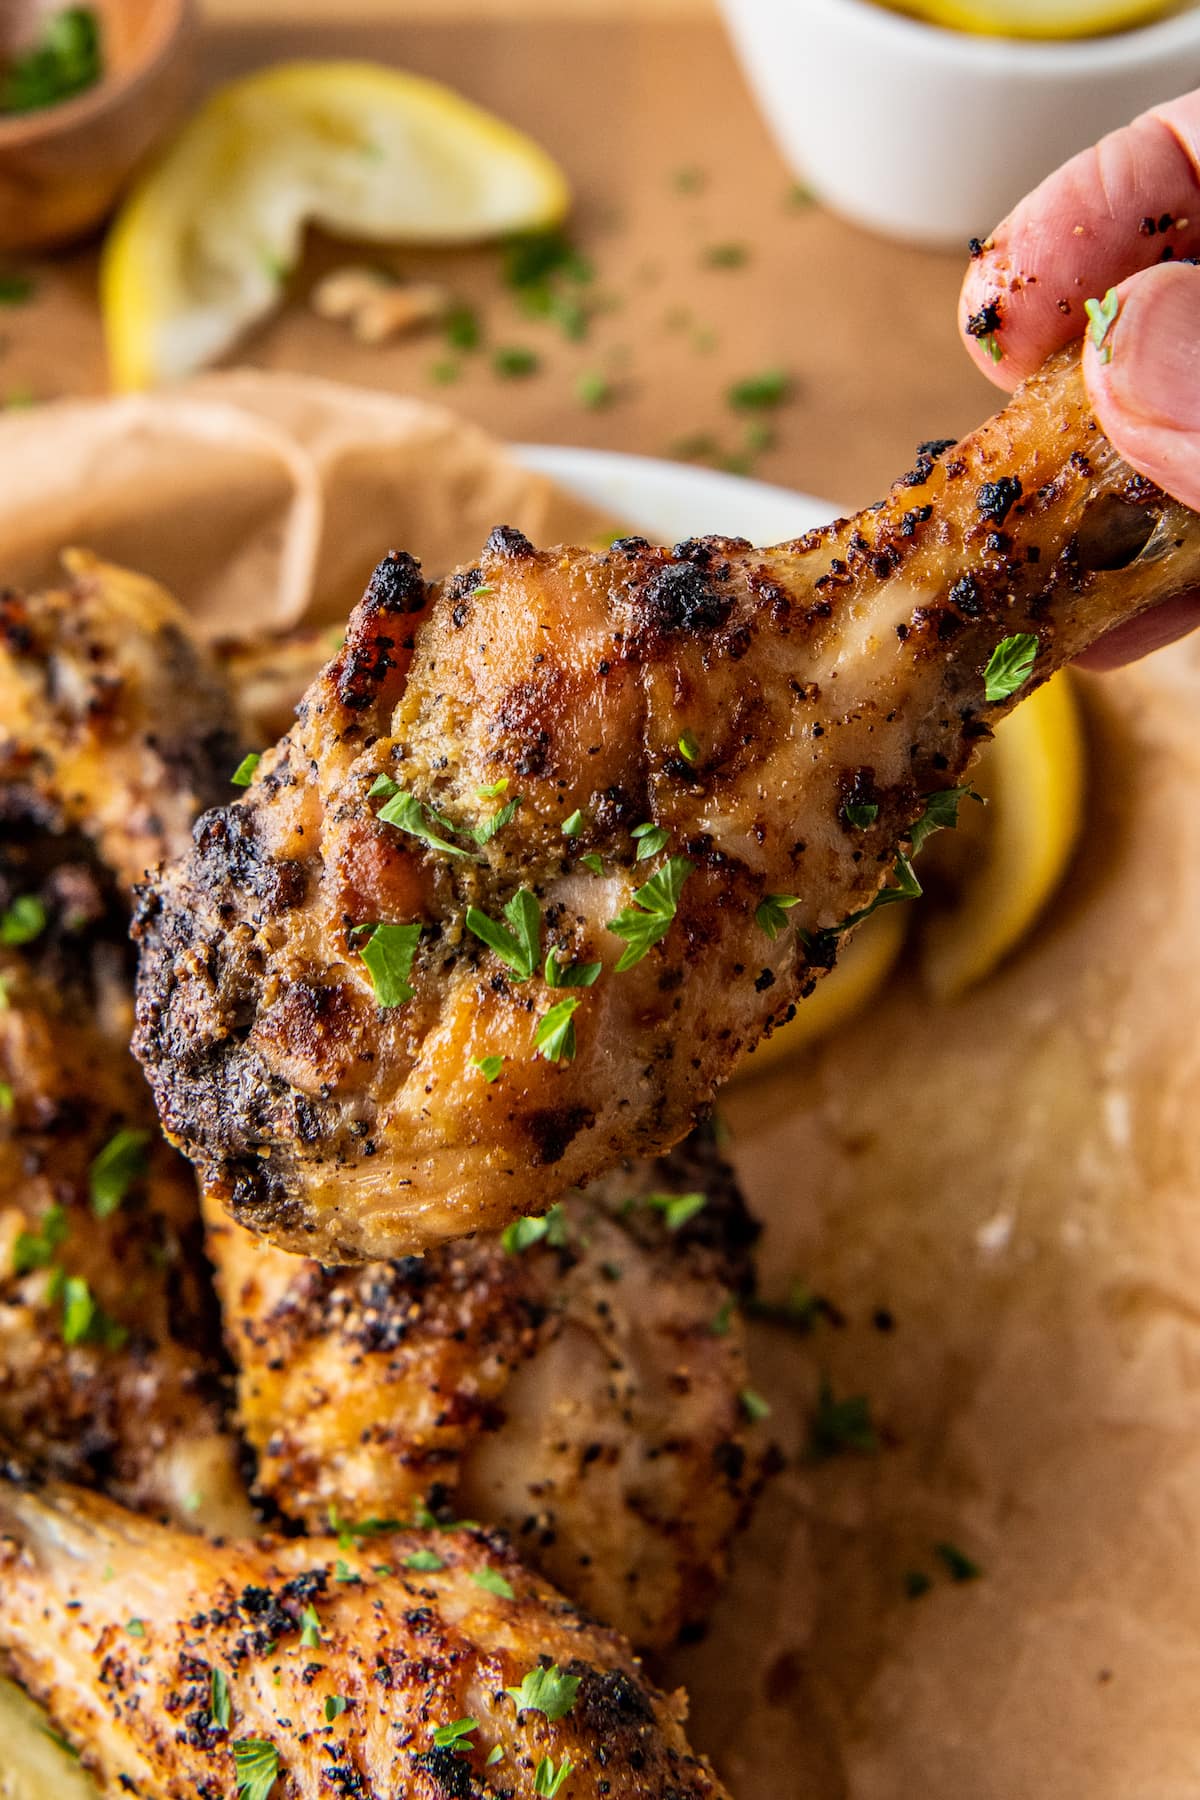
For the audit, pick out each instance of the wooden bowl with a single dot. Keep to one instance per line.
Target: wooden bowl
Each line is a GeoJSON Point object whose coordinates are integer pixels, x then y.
{"type": "Point", "coordinates": [62, 168]}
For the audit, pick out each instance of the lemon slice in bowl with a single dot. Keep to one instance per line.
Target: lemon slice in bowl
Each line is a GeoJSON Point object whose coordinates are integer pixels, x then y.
{"type": "Point", "coordinates": [200, 249]}
{"type": "Point", "coordinates": [1034, 18]}
{"type": "Point", "coordinates": [1012, 856]}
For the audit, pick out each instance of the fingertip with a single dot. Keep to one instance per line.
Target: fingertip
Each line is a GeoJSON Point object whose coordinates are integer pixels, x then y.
{"type": "Point", "coordinates": [1142, 372]}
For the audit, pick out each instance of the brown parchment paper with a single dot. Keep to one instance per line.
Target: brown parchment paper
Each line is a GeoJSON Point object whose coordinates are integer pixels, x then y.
{"type": "Point", "coordinates": [1000, 1199]}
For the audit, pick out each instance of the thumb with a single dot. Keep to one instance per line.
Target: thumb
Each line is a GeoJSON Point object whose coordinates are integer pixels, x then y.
{"type": "Point", "coordinates": [1144, 379]}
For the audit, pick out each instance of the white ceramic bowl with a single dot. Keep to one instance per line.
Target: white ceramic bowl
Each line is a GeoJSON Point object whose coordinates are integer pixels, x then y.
{"type": "Point", "coordinates": [933, 135]}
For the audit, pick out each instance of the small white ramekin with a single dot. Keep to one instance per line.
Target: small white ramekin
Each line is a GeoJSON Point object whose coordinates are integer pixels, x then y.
{"type": "Point", "coordinates": [933, 135]}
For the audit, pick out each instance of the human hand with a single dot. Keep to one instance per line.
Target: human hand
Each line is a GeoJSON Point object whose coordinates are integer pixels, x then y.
{"type": "Point", "coordinates": [1121, 215]}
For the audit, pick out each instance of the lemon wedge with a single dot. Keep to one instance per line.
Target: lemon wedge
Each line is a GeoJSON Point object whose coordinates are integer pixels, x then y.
{"type": "Point", "coordinates": [862, 967]}
{"type": "Point", "coordinates": [1017, 849]}
{"type": "Point", "coordinates": [1034, 18]}
{"type": "Point", "coordinates": [202, 246]}
{"type": "Point", "coordinates": [35, 1765]}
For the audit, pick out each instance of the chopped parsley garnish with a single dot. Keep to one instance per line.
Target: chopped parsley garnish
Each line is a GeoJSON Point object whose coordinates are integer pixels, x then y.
{"type": "Point", "coordinates": [649, 918]}
{"type": "Point", "coordinates": [593, 862]}
{"type": "Point", "coordinates": [721, 1321]}
{"type": "Point", "coordinates": [424, 1562]}
{"type": "Point", "coordinates": [689, 749]}
{"type": "Point", "coordinates": [1010, 666]}
{"type": "Point", "coordinates": [15, 289]}
{"type": "Point", "coordinates": [574, 825]}
{"type": "Point", "coordinates": [494, 789]}
{"type": "Point", "coordinates": [726, 256]}
{"type": "Point", "coordinates": [991, 344]}
{"type": "Point", "coordinates": [483, 834]}
{"type": "Point", "coordinates": [343, 1572]}
{"type": "Point", "coordinates": [461, 327]}
{"type": "Point", "coordinates": [388, 955]}
{"type": "Point", "coordinates": [136, 1627]}
{"type": "Point", "coordinates": [759, 393]}
{"type": "Point", "coordinates": [383, 785]}
{"type": "Point", "coordinates": [23, 921]}
{"type": "Point", "coordinates": [593, 391]}
{"type": "Point", "coordinates": [477, 593]}
{"type": "Point", "coordinates": [754, 1406]}
{"type": "Point", "coordinates": [8, 1099]}
{"type": "Point", "coordinates": [916, 1583]}
{"type": "Point", "coordinates": [489, 1066]}
{"type": "Point", "coordinates": [772, 911]}
{"type": "Point", "coordinates": [444, 371]}
{"type": "Point", "coordinates": [546, 1690]}
{"type": "Point", "coordinates": [522, 1234]}
{"type": "Point", "coordinates": [513, 362]}
{"type": "Point", "coordinates": [114, 1170]}
{"type": "Point", "coordinates": [64, 61]}
{"type": "Point", "coordinates": [36, 1249]}
{"type": "Point", "coordinates": [547, 1779]}
{"type": "Point", "coordinates": [676, 1209]}
{"type": "Point", "coordinates": [493, 1582]}
{"type": "Point", "coordinates": [555, 1036]}
{"type": "Point", "coordinates": [941, 814]}
{"type": "Point", "coordinates": [405, 811]}
{"type": "Point", "coordinates": [494, 1755]}
{"type": "Point", "coordinates": [256, 1766]}
{"type": "Point", "coordinates": [560, 975]}
{"type": "Point", "coordinates": [84, 1320]}
{"type": "Point", "coordinates": [689, 180]}
{"type": "Point", "coordinates": [799, 1312]}
{"type": "Point", "coordinates": [800, 196]}
{"type": "Point", "coordinates": [454, 1737]}
{"type": "Point", "coordinates": [519, 948]}
{"type": "Point", "coordinates": [218, 1700]}
{"type": "Point", "coordinates": [650, 840]}
{"type": "Point", "coordinates": [335, 1706]}
{"type": "Point", "coordinates": [350, 1533]}
{"type": "Point", "coordinates": [243, 775]}
{"type": "Point", "coordinates": [860, 813]}
{"type": "Point", "coordinates": [961, 1567]}
{"type": "Point", "coordinates": [1102, 316]}
{"type": "Point", "coordinates": [310, 1629]}
{"type": "Point", "coordinates": [840, 1425]}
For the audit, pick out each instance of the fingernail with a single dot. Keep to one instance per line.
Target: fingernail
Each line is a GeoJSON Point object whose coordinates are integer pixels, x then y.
{"type": "Point", "coordinates": [1153, 373]}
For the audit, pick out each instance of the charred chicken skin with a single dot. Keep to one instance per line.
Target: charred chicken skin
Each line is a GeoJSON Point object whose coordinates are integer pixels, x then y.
{"type": "Point", "coordinates": [577, 1384]}
{"type": "Point", "coordinates": [554, 842]}
{"type": "Point", "coordinates": [424, 1665]}
{"type": "Point", "coordinates": [110, 1365]}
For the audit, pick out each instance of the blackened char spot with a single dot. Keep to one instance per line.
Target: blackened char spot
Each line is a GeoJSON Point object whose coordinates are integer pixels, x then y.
{"type": "Point", "coordinates": [996, 499]}
{"type": "Point", "coordinates": [451, 1773]}
{"type": "Point", "coordinates": [506, 540]}
{"type": "Point", "coordinates": [629, 546]}
{"type": "Point", "coordinates": [608, 1704]}
{"type": "Point", "coordinates": [681, 597]}
{"type": "Point", "coordinates": [552, 1130]}
{"type": "Point", "coordinates": [935, 446]}
{"type": "Point", "coordinates": [985, 321]}
{"type": "Point", "coordinates": [231, 853]}
{"type": "Point", "coordinates": [965, 595]}
{"type": "Point", "coordinates": [396, 586]}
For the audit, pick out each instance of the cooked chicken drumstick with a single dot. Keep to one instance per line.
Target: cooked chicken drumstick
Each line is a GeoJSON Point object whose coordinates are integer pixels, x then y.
{"type": "Point", "coordinates": [415, 1666]}
{"type": "Point", "coordinates": [554, 842]}
{"type": "Point", "coordinates": [578, 1384]}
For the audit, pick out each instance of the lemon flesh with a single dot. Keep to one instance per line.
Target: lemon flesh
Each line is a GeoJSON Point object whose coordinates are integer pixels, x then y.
{"type": "Point", "coordinates": [863, 965]}
{"type": "Point", "coordinates": [1033, 777]}
{"type": "Point", "coordinates": [34, 1766]}
{"type": "Point", "coordinates": [1034, 18]}
{"type": "Point", "coordinates": [203, 244]}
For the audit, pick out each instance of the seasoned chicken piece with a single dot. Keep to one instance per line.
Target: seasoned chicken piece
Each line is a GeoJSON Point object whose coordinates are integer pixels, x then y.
{"type": "Point", "coordinates": [592, 823]}
{"type": "Point", "coordinates": [112, 721]}
{"type": "Point", "coordinates": [109, 1364]}
{"type": "Point", "coordinates": [421, 1666]}
{"type": "Point", "coordinates": [578, 1384]}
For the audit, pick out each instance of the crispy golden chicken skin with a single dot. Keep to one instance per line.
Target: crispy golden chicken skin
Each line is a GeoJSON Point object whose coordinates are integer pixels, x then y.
{"type": "Point", "coordinates": [382, 1671]}
{"type": "Point", "coordinates": [577, 1384]}
{"type": "Point", "coordinates": [677, 774]}
{"type": "Point", "coordinates": [112, 721]}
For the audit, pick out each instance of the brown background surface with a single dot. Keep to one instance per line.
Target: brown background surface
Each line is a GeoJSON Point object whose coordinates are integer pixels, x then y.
{"type": "Point", "coordinates": [624, 102]}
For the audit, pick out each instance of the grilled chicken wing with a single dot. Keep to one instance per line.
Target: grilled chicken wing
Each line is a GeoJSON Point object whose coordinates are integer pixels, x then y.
{"type": "Point", "coordinates": [635, 761]}
{"type": "Point", "coordinates": [577, 1384]}
{"type": "Point", "coordinates": [384, 1670]}
{"type": "Point", "coordinates": [111, 720]}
